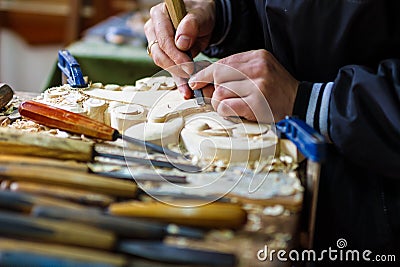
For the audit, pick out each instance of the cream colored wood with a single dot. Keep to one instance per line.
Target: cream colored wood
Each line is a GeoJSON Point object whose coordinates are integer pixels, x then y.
{"type": "Point", "coordinates": [158, 133]}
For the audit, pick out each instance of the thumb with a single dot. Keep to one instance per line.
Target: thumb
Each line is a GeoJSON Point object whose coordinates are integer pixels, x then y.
{"type": "Point", "coordinates": [187, 32]}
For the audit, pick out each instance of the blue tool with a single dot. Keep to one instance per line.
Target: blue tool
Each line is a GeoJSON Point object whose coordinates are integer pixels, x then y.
{"type": "Point", "coordinates": [307, 140]}
{"type": "Point", "coordinates": [70, 69]}
{"type": "Point", "coordinates": [313, 146]}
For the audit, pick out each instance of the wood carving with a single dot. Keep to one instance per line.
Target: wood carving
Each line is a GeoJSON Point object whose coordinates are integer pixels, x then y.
{"type": "Point", "coordinates": [212, 138]}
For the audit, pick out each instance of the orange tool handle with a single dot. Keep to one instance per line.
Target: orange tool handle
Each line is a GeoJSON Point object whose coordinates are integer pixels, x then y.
{"type": "Point", "coordinates": [66, 120]}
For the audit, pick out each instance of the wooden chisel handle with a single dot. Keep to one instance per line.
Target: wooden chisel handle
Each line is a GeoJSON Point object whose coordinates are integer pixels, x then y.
{"type": "Point", "coordinates": [59, 192]}
{"type": "Point", "coordinates": [71, 179]}
{"type": "Point", "coordinates": [26, 202]}
{"type": "Point", "coordinates": [213, 215]}
{"type": "Point", "coordinates": [66, 120]}
{"type": "Point", "coordinates": [17, 142]}
{"type": "Point", "coordinates": [62, 251]}
{"type": "Point", "coordinates": [17, 225]}
{"type": "Point", "coordinates": [176, 10]}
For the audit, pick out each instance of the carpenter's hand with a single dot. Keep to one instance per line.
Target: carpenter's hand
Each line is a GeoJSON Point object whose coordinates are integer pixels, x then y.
{"type": "Point", "coordinates": [193, 34]}
{"type": "Point", "coordinates": [251, 85]}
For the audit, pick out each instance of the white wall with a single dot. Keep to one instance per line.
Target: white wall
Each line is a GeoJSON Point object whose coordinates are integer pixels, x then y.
{"type": "Point", "coordinates": [25, 67]}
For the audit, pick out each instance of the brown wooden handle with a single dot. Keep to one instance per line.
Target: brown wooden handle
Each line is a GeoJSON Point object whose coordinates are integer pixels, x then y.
{"type": "Point", "coordinates": [65, 120]}
{"type": "Point", "coordinates": [6, 94]}
{"type": "Point", "coordinates": [55, 231]}
{"type": "Point", "coordinates": [16, 142]}
{"type": "Point", "coordinates": [60, 192]}
{"type": "Point", "coordinates": [213, 215]}
{"type": "Point", "coordinates": [176, 10]}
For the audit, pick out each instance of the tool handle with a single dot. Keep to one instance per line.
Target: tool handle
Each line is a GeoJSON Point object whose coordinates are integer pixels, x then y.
{"type": "Point", "coordinates": [71, 69]}
{"type": "Point", "coordinates": [123, 227]}
{"type": "Point", "coordinates": [65, 120]}
{"type": "Point", "coordinates": [61, 192]}
{"type": "Point", "coordinates": [6, 94]}
{"type": "Point", "coordinates": [308, 141]}
{"type": "Point", "coordinates": [16, 225]}
{"type": "Point", "coordinates": [16, 142]}
{"type": "Point", "coordinates": [70, 179]}
{"type": "Point", "coordinates": [11, 258]}
{"type": "Point", "coordinates": [61, 251]}
{"type": "Point", "coordinates": [176, 10]}
{"type": "Point", "coordinates": [25, 202]}
{"type": "Point", "coordinates": [189, 213]}
{"type": "Point", "coordinates": [176, 255]}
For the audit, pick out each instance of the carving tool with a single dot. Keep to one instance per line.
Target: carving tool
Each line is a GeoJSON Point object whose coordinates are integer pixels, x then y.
{"type": "Point", "coordinates": [70, 179]}
{"type": "Point", "coordinates": [17, 142]}
{"type": "Point", "coordinates": [6, 94]}
{"type": "Point", "coordinates": [123, 227]}
{"type": "Point", "coordinates": [185, 212]}
{"type": "Point", "coordinates": [110, 170]}
{"type": "Point", "coordinates": [177, 11]}
{"type": "Point", "coordinates": [25, 202]}
{"type": "Point", "coordinates": [87, 236]}
{"type": "Point", "coordinates": [21, 226]}
{"type": "Point", "coordinates": [61, 251]}
{"type": "Point", "coordinates": [60, 192]}
{"type": "Point", "coordinates": [12, 258]}
{"type": "Point", "coordinates": [75, 123]}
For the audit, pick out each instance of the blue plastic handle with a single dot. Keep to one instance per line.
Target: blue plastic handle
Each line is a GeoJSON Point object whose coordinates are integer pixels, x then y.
{"type": "Point", "coordinates": [308, 141]}
{"type": "Point", "coordinates": [71, 69]}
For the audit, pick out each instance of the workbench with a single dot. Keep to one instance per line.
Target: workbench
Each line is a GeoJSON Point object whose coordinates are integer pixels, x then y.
{"type": "Point", "coordinates": [278, 231]}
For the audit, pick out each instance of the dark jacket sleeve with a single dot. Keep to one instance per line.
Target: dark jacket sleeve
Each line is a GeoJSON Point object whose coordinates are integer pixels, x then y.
{"type": "Point", "coordinates": [236, 23]}
{"type": "Point", "coordinates": [359, 113]}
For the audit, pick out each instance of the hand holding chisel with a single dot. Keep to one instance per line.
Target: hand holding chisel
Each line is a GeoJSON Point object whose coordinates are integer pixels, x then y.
{"type": "Point", "coordinates": [177, 11]}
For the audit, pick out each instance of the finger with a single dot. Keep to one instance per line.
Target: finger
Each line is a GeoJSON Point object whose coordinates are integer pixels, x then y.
{"type": "Point", "coordinates": [165, 34]}
{"type": "Point", "coordinates": [158, 55]}
{"type": "Point", "coordinates": [187, 32]}
{"type": "Point", "coordinates": [202, 78]}
{"type": "Point", "coordinates": [236, 107]}
{"type": "Point", "coordinates": [183, 87]}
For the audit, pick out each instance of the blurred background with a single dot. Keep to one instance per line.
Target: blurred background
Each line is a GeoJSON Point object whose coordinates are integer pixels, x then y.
{"type": "Point", "coordinates": [32, 32]}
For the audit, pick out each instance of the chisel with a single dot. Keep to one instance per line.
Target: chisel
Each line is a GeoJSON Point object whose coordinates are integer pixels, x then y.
{"type": "Point", "coordinates": [16, 225]}
{"type": "Point", "coordinates": [177, 11]}
{"type": "Point", "coordinates": [21, 226]}
{"type": "Point", "coordinates": [79, 196]}
{"type": "Point", "coordinates": [75, 123]}
{"type": "Point", "coordinates": [6, 94]}
{"type": "Point", "coordinates": [65, 252]}
{"type": "Point", "coordinates": [185, 212]}
{"type": "Point", "coordinates": [16, 142]}
{"type": "Point", "coordinates": [15, 258]}
{"type": "Point", "coordinates": [70, 179]}
{"type": "Point", "coordinates": [23, 202]}
{"type": "Point", "coordinates": [122, 226]}
{"type": "Point", "coordinates": [111, 170]}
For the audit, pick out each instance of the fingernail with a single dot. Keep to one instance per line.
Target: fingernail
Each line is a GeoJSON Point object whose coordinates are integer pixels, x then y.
{"type": "Point", "coordinates": [192, 84]}
{"type": "Point", "coordinates": [183, 42]}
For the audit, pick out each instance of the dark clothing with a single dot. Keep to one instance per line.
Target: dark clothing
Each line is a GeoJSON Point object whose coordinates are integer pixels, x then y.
{"type": "Point", "coordinates": [347, 55]}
